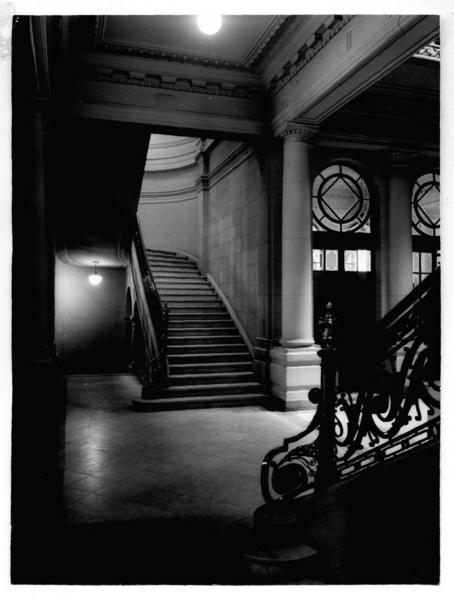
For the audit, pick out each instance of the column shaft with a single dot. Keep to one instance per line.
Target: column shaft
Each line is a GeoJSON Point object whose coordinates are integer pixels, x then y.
{"type": "Point", "coordinates": [297, 297]}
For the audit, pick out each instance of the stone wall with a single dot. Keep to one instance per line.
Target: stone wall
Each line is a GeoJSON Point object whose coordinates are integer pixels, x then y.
{"type": "Point", "coordinates": [237, 232]}
{"type": "Point", "coordinates": [89, 320]}
{"type": "Point", "coordinates": [169, 212]}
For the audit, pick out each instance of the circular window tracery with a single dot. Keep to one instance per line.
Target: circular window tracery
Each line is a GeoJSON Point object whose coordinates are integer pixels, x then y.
{"type": "Point", "coordinates": [426, 205]}
{"type": "Point", "coordinates": [340, 201]}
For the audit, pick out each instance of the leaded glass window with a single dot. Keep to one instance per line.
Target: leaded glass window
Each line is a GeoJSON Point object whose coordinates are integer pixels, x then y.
{"type": "Point", "coordinates": [340, 201]}
{"type": "Point", "coordinates": [426, 205]}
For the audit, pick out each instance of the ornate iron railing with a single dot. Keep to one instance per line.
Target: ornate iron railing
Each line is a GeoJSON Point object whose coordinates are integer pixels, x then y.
{"type": "Point", "coordinates": [157, 365]}
{"type": "Point", "coordinates": [396, 411]}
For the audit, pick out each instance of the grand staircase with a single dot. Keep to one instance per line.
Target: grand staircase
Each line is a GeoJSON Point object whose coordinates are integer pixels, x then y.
{"type": "Point", "coordinates": [209, 363]}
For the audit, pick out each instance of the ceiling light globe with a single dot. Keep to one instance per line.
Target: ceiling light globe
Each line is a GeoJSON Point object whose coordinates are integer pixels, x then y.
{"type": "Point", "coordinates": [209, 24]}
{"type": "Point", "coordinates": [95, 279]}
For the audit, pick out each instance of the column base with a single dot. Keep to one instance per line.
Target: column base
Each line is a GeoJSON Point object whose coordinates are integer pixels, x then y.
{"type": "Point", "coordinates": [294, 371]}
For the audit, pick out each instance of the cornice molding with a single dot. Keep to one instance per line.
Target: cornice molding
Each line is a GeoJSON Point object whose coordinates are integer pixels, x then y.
{"type": "Point", "coordinates": [186, 58]}
{"type": "Point", "coordinates": [307, 52]}
{"type": "Point", "coordinates": [142, 79]}
{"type": "Point", "coordinates": [266, 41]}
{"type": "Point", "coordinates": [188, 167]}
{"type": "Point", "coordinates": [182, 195]}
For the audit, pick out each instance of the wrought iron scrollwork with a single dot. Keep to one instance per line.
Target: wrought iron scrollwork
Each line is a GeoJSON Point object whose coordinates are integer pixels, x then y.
{"type": "Point", "coordinates": [397, 411]}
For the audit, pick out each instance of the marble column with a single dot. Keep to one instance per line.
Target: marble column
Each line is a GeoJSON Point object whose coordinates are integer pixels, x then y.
{"type": "Point", "coordinates": [294, 364]}
{"type": "Point", "coordinates": [400, 228]}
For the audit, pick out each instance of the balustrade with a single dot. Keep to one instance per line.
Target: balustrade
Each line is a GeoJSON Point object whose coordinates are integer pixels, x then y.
{"type": "Point", "coordinates": [157, 366]}
{"type": "Point", "coordinates": [356, 429]}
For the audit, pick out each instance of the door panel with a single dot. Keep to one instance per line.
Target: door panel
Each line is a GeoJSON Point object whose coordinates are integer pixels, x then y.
{"type": "Point", "coordinates": [353, 297]}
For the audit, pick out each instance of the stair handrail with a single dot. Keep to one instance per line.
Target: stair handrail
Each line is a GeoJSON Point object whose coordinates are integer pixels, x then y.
{"type": "Point", "coordinates": [157, 367]}
{"type": "Point", "coordinates": [352, 431]}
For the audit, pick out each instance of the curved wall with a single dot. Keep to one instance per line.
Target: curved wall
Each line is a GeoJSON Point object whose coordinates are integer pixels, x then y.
{"type": "Point", "coordinates": [169, 212]}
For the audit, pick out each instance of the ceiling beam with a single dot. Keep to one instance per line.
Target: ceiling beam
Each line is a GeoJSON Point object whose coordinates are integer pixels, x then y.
{"type": "Point", "coordinates": [367, 49]}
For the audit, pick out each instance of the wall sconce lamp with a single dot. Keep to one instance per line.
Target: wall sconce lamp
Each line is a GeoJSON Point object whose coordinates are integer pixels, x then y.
{"type": "Point", "coordinates": [95, 278]}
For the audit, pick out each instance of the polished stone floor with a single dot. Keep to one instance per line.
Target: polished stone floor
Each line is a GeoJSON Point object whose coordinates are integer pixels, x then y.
{"type": "Point", "coordinates": [148, 496]}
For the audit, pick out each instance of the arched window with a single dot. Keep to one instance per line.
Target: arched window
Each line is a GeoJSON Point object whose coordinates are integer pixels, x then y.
{"type": "Point", "coordinates": [425, 210]}
{"type": "Point", "coordinates": [343, 260]}
{"type": "Point", "coordinates": [341, 220]}
{"type": "Point", "coordinates": [425, 215]}
{"type": "Point", "coordinates": [340, 201]}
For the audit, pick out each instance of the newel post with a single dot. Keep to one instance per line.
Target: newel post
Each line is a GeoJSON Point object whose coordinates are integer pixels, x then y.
{"type": "Point", "coordinates": [326, 472]}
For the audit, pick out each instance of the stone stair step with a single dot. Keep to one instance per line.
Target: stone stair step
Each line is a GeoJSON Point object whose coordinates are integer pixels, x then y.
{"type": "Point", "coordinates": [173, 271]}
{"type": "Point", "coordinates": [209, 331]}
{"type": "Point", "coordinates": [212, 378]}
{"type": "Point", "coordinates": [206, 357]}
{"type": "Point", "coordinates": [172, 266]}
{"type": "Point", "coordinates": [199, 402]}
{"type": "Point", "coordinates": [184, 276]}
{"type": "Point", "coordinates": [213, 307]}
{"type": "Point", "coordinates": [180, 316]}
{"type": "Point", "coordinates": [191, 340]}
{"type": "Point", "coordinates": [210, 389]}
{"type": "Point", "coordinates": [158, 252]}
{"type": "Point", "coordinates": [224, 367]}
{"type": "Point", "coordinates": [203, 325]}
{"type": "Point", "coordinates": [169, 259]}
{"type": "Point", "coordinates": [198, 348]}
{"type": "Point", "coordinates": [185, 287]}
{"type": "Point", "coordinates": [194, 296]}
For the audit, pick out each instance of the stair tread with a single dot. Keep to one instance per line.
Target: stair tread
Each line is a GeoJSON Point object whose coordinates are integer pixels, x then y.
{"type": "Point", "coordinates": [203, 337]}
{"type": "Point", "coordinates": [211, 365]}
{"type": "Point", "coordinates": [196, 316]}
{"type": "Point", "coordinates": [204, 399]}
{"type": "Point", "coordinates": [201, 345]}
{"type": "Point", "coordinates": [194, 355]}
{"type": "Point", "coordinates": [204, 386]}
{"type": "Point", "coordinates": [213, 374]}
{"type": "Point", "coordinates": [200, 329]}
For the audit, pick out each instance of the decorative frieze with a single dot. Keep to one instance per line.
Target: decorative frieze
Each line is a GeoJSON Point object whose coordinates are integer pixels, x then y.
{"type": "Point", "coordinates": [212, 88]}
{"type": "Point", "coordinates": [307, 52]}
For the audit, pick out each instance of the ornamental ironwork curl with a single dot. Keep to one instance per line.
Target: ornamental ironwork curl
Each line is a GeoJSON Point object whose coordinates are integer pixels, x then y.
{"type": "Point", "coordinates": [396, 412]}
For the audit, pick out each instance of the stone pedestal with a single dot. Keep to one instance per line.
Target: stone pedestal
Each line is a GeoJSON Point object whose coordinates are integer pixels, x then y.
{"type": "Point", "coordinates": [294, 371]}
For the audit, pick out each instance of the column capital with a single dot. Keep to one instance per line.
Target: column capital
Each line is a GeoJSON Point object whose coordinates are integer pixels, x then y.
{"type": "Point", "coordinates": [401, 158]}
{"type": "Point", "coordinates": [298, 132]}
